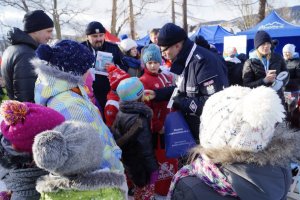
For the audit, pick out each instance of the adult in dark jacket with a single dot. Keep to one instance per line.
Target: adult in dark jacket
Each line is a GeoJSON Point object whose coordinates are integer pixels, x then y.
{"type": "Point", "coordinates": [263, 65]}
{"type": "Point", "coordinates": [292, 61]}
{"type": "Point", "coordinates": [95, 34]}
{"type": "Point", "coordinates": [17, 72]}
{"type": "Point", "coordinates": [234, 66]}
{"type": "Point", "coordinates": [242, 155]}
{"type": "Point", "coordinates": [201, 74]}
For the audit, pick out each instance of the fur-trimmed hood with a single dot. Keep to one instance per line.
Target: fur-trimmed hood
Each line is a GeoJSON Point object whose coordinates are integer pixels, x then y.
{"type": "Point", "coordinates": [92, 181]}
{"type": "Point", "coordinates": [282, 149]}
{"type": "Point", "coordinates": [42, 68]}
{"type": "Point", "coordinates": [51, 81]}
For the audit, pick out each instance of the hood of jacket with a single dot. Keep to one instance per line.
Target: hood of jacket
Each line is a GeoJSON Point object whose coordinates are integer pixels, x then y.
{"type": "Point", "coordinates": [283, 148]}
{"type": "Point", "coordinates": [16, 36]}
{"type": "Point", "coordinates": [51, 81]}
{"type": "Point", "coordinates": [91, 181]}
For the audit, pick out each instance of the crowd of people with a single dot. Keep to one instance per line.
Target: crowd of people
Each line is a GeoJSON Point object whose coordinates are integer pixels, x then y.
{"type": "Point", "coordinates": [69, 132]}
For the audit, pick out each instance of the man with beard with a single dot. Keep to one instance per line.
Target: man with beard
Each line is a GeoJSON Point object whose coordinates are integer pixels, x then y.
{"type": "Point", "coordinates": [95, 35]}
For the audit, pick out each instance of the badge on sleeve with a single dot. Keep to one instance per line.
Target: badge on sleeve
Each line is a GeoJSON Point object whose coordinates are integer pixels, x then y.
{"type": "Point", "coordinates": [193, 106]}
{"type": "Point", "coordinates": [209, 85]}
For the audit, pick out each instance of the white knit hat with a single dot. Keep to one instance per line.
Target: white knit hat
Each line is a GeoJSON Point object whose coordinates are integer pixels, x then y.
{"type": "Point", "coordinates": [289, 48]}
{"type": "Point", "coordinates": [240, 118]}
{"type": "Point", "coordinates": [127, 44]}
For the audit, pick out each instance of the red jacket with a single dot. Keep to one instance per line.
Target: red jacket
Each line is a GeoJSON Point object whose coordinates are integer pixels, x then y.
{"type": "Point", "coordinates": [154, 81]}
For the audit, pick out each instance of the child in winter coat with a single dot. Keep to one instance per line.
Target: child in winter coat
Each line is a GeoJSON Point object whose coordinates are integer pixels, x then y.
{"type": "Point", "coordinates": [21, 123]}
{"type": "Point", "coordinates": [153, 79]}
{"type": "Point", "coordinates": [245, 151]}
{"type": "Point", "coordinates": [115, 75]}
{"type": "Point", "coordinates": [72, 153]}
{"type": "Point", "coordinates": [133, 134]}
{"type": "Point", "coordinates": [59, 85]}
{"type": "Point", "coordinates": [131, 57]}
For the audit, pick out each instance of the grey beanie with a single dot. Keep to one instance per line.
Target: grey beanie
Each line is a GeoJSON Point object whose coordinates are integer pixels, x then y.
{"type": "Point", "coordinates": [69, 149]}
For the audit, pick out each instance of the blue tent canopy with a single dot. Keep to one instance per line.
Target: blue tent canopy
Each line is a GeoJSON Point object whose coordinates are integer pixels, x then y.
{"type": "Point", "coordinates": [143, 41]}
{"type": "Point", "coordinates": [275, 26]}
{"type": "Point", "coordinates": [213, 34]}
{"type": "Point", "coordinates": [278, 28]}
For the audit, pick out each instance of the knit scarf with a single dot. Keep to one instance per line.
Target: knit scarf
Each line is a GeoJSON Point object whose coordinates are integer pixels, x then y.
{"type": "Point", "coordinates": [208, 173]}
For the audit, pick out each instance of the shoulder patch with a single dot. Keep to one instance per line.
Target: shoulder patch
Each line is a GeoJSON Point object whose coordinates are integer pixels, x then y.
{"type": "Point", "coordinates": [198, 56]}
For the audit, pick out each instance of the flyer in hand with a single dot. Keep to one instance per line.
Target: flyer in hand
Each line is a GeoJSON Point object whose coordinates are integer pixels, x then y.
{"type": "Point", "coordinates": [101, 59]}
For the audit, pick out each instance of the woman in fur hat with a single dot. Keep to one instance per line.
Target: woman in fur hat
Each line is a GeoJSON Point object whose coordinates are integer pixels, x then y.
{"type": "Point", "coordinates": [245, 151]}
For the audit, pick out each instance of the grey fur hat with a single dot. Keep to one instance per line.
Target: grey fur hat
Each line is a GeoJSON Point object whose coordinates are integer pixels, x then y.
{"type": "Point", "coordinates": [69, 149]}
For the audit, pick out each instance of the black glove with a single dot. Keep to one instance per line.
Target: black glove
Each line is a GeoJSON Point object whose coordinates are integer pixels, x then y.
{"type": "Point", "coordinates": [177, 102]}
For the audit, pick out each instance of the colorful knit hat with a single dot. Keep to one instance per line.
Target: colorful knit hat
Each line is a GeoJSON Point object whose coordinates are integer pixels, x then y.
{"type": "Point", "coordinates": [23, 121]}
{"type": "Point", "coordinates": [115, 76]}
{"type": "Point", "coordinates": [130, 89]}
{"type": "Point", "coordinates": [240, 118]}
{"type": "Point", "coordinates": [151, 53]}
{"type": "Point", "coordinates": [67, 56]}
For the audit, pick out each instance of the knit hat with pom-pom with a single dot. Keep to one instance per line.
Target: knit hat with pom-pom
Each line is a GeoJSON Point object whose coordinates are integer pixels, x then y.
{"type": "Point", "coordinates": [69, 149]}
{"type": "Point", "coordinates": [67, 56]}
{"type": "Point", "coordinates": [115, 76]}
{"type": "Point", "coordinates": [23, 121]}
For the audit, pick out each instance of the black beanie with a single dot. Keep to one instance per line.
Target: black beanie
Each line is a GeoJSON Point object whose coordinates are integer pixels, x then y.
{"type": "Point", "coordinates": [94, 27]}
{"type": "Point", "coordinates": [261, 37]}
{"type": "Point", "coordinates": [36, 20]}
{"type": "Point", "coordinates": [170, 34]}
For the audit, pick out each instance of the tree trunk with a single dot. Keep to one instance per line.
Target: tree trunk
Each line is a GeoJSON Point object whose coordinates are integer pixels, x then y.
{"type": "Point", "coordinates": [56, 20]}
{"type": "Point", "coordinates": [173, 11]}
{"type": "Point", "coordinates": [262, 10]}
{"type": "Point", "coordinates": [131, 20]}
{"type": "Point", "coordinates": [184, 15]}
{"type": "Point", "coordinates": [113, 18]}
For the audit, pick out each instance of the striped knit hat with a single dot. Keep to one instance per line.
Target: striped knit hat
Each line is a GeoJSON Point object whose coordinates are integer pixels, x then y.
{"type": "Point", "coordinates": [130, 89]}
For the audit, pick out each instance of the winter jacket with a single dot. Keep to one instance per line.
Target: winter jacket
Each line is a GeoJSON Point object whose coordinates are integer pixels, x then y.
{"type": "Point", "coordinates": [101, 84]}
{"type": "Point", "coordinates": [151, 82]}
{"type": "Point", "coordinates": [203, 73]}
{"type": "Point", "coordinates": [254, 71]}
{"type": "Point", "coordinates": [235, 71]}
{"type": "Point", "coordinates": [132, 132]}
{"type": "Point", "coordinates": [293, 66]}
{"type": "Point", "coordinates": [265, 175]}
{"type": "Point", "coordinates": [17, 72]}
{"type": "Point", "coordinates": [97, 185]}
{"type": "Point", "coordinates": [133, 66]}
{"type": "Point", "coordinates": [53, 90]}
{"type": "Point", "coordinates": [22, 173]}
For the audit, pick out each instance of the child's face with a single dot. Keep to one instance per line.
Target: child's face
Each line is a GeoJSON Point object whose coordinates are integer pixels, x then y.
{"type": "Point", "coordinates": [133, 52]}
{"type": "Point", "coordinates": [153, 66]}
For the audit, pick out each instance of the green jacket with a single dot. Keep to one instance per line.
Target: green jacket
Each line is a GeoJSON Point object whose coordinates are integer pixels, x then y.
{"type": "Point", "coordinates": [93, 186]}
